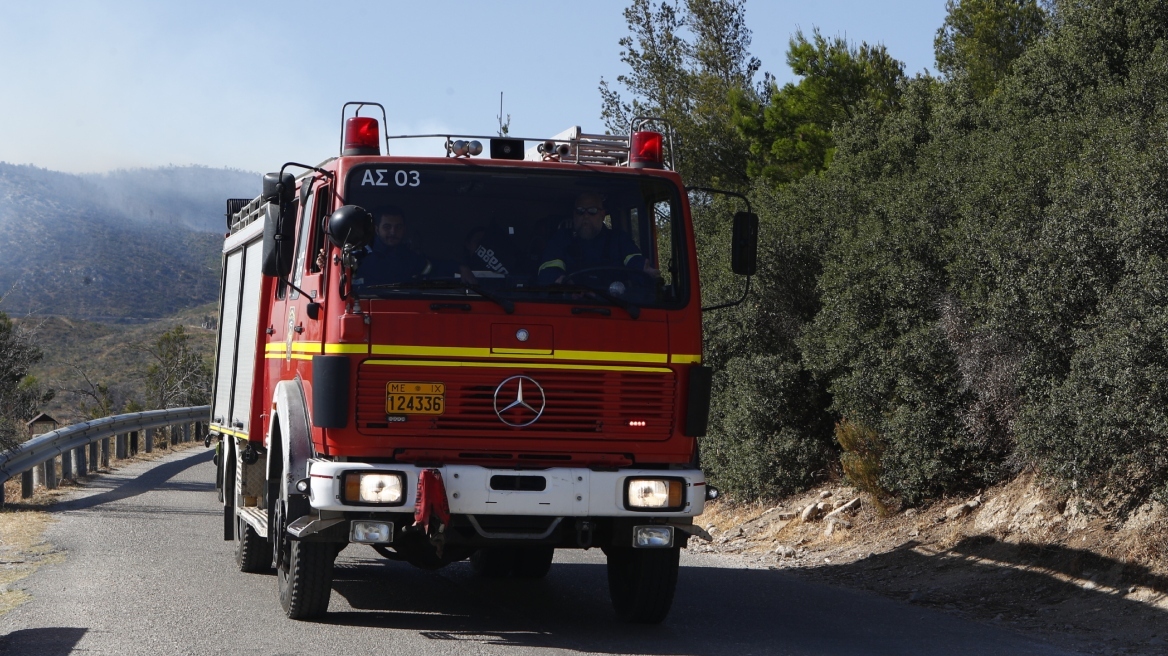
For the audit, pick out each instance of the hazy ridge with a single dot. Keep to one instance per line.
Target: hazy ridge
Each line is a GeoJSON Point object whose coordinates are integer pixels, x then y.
{"type": "Point", "coordinates": [126, 245]}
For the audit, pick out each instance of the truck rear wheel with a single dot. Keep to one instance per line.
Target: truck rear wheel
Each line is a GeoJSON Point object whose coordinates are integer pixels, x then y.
{"type": "Point", "coordinates": [533, 562]}
{"type": "Point", "coordinates": [306, 579]}
{"type": "Point", "coordinates": [641, 582]}
{"type": "Point", "coordinates": [253, 552]}
{"type": "Point", "coordinates": [520, 562]}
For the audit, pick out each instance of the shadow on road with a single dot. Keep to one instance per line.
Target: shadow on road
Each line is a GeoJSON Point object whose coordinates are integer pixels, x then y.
{"type": "Point", "coordinates": [155, 478]}
{"type": "Point", "coordinates": [1074, 596]}
{"type": "Point", "coordinates": [49, 641]}
{"type": "Point", "coordinates": [716, 610]}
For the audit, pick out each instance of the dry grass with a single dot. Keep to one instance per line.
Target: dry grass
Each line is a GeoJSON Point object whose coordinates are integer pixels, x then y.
{"type": "Point", "coordinates": [22, 551]}
{"type": "Point", "coordinates": [723, 515]}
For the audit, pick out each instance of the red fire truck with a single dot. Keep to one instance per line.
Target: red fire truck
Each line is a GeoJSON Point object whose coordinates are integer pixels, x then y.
{"type": "Point", "coordinates": [465, 356]}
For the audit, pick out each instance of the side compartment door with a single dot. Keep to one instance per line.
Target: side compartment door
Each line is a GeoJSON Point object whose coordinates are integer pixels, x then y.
{"type": "Point", "coordinates": [228, 336]}
{"type": "Point", "coordinates": [249, 316]}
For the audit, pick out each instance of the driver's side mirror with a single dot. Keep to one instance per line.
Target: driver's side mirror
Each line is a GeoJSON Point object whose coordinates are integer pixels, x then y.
{"type": "Point", "coordinates": [744, 245]}
{"type": "Point", "coordinates": [350, 226]}
{"type": "Point", "coordinates": [279, 224]}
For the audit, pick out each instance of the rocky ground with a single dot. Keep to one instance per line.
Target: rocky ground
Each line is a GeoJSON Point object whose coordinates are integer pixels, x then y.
{"type": "Point", "coordinates": [1019, 554]}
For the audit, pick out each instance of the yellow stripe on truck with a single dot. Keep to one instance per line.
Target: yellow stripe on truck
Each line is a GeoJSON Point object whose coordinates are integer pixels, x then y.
{"type": "Point", "coordinates": [524, 365]}
{"type": "Point", "coordinates": [474, 352]}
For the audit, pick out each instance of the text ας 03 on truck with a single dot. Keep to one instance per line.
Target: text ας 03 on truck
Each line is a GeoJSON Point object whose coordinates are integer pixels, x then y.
{"type": "Point", "coordinates": [472, 355]}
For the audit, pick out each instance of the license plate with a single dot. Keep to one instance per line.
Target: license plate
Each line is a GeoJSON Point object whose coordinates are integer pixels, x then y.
{"type": "Point", "coordinates": [406, 398]}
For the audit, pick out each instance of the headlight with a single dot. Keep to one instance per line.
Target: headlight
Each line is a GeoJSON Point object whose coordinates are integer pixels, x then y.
{"type": "Point", "coordinates": [654, 494]}
{"type": "Point", "coordinates": [379, 488]}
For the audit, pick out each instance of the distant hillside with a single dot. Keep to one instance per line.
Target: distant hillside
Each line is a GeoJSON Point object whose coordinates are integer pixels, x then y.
{"type": "Point", "coordinates": [192, 195]}
{"type": "Point", "coordinates": [88, 246]}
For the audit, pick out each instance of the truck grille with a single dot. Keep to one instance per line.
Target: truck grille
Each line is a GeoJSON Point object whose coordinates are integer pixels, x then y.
{"type": "Point", "coordinates": [579, 404]}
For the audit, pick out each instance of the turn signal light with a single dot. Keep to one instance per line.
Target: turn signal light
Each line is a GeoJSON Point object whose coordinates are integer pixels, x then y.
{"type": "Point", "coordinates": [362, 136]}
{"type": "Point", "coordinates": [646, 150]}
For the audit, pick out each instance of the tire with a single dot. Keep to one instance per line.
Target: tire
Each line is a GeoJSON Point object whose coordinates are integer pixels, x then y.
{"type": "Point", "coordinates": [520, 562]}
{"type": "Point", "coordinates": [533, 562]}
{"type": "Point", "coordinates": [493, 562]}
{"type": "Point", "coordinates": [641, 582]}
{"type": "Point", "coordinates": [253, 552]}
{"type": "Point", "coordinates": [306, 579]}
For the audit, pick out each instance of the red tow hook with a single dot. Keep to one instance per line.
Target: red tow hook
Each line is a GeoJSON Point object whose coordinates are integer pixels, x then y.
{"type": "Point", "coordinates": [431, 503]}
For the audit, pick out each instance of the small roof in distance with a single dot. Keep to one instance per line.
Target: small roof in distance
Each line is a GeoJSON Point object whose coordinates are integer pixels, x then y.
{"type": "Point", "coordinates": [42, 417]}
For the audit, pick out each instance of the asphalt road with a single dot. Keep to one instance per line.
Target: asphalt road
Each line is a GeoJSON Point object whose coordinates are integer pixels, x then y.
{"type": "Point", "coordinates": [147, 573]}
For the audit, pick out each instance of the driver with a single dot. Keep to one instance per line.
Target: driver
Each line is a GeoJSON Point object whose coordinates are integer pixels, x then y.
{"type": "Point", "coordinates": [590, 243]}
{"type": "Point", "coordinates": [390, 258]}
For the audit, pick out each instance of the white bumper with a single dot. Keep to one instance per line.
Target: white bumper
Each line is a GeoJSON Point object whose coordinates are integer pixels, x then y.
{"type": "Point", "coordinates": [569, 492]}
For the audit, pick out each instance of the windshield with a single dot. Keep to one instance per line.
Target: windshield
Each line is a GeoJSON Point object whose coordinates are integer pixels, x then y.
{"type": "Point", "coordinates": [552, 236]}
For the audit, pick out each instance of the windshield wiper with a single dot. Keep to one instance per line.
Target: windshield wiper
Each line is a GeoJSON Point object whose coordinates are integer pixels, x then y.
{"type": "Point", "coordinates": [633, 310]}
{"type": "Point", "coordinates": [506, 304]}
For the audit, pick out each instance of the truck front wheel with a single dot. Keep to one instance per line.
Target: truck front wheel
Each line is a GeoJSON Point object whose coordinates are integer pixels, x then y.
{"type": "Point", "coordinates": [306, 579]}
{"type": "Point", "coordinates": [641, 582]}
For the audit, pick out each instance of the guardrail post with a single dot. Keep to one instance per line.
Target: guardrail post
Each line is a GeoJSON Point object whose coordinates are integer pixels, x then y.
{"type": "Point", "coordinates": [120, 446]}
{"type": "Point", "coordinates": [26, 484]}
{"type": "Point", "coordinates": [66, 465]}
{"type": "Point", "coordinates": [93, 456]}
{"type": "Point", "coordinates": [186, 432]}
{"type": "Point", "coordinates": [133, 443]}
{"type": "Point", "coordinates": [105, 452]}
{"type": "Point", "coordinates": [51, 473]}
{"type": "Point", "coordinates": [149, 440]}
{"type": "Point", "coordinates": [200, 434]}
{"type": "Point", "coordinates": [79, 461]}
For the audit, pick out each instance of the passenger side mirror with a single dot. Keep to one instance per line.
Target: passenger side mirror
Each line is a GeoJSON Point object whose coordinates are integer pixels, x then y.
{"type": "Point", "coordinates": [279, 224]}
{"type": "Point", "coordinates": [744, 245]}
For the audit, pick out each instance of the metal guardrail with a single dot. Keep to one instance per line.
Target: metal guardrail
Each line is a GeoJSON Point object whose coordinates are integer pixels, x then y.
{"type": "Point", "coordinates": [62, 441]}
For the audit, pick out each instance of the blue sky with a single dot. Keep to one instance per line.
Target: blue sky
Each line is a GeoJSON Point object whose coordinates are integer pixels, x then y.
{"type": "Point", "coordinates": [96, 86]}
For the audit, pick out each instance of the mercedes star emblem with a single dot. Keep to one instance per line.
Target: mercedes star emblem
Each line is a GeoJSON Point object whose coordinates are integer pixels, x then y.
{"type": "Point", "coordinates": [513, 388]}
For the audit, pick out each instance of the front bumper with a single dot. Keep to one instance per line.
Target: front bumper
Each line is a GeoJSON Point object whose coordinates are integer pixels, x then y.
{"type": "Point", "coordinates": [568, 492]}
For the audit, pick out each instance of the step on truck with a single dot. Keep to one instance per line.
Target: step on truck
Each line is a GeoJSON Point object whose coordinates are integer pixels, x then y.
{"type": "Point", "coordinates": [471, 355]}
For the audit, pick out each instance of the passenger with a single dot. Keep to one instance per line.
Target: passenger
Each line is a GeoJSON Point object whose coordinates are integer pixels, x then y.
{"type": "Point", "coordinates": [390, 258]}
{"type": "Point", "coordinates": [590, 243]}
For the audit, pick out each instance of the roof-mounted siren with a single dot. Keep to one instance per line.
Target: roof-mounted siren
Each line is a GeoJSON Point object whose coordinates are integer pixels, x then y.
{"type": "Point", "coordinates": [647, 147]}
{"type": "Point", "coordinates": [360, 134]}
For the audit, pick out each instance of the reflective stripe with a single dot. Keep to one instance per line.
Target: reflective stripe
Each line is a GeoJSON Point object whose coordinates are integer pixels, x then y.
{"type": "Point", "coordinates": [525, 365]}
{"type": "Point", "coordinates": [280, 356]}
{"type": "Point", "coordinates": [553, 264]}
{"type": "Point", "coordinates": [685, 359]}
{"type": "Point", "coordinates": [227, 431]}
{"type": "Point", "coordinates": [474, 352]}
{"type": "Point", "coordinates": [630, 257]}
{"type": "Point", "coordinates": [346, 348]}
{"type": "Point", "coordinates": [305, 347]}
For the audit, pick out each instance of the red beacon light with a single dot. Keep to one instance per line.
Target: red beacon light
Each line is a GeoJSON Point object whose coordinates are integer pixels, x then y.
{"type": "Point", "coordinates": [645, 150]}
{"type": "Point", "coordinates": [361, 136]}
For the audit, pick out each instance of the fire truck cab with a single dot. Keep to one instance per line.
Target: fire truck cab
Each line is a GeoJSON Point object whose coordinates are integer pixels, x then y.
{"type": "Point", "coordinates": [483, 356]}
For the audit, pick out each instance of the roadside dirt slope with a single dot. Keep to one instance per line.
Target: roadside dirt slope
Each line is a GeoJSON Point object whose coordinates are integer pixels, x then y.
{"type": "Point", "coordinates": [1019, 554]}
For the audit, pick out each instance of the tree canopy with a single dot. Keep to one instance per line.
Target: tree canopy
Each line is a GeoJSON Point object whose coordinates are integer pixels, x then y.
{"type": "Point", "coordinates": [969, 271]}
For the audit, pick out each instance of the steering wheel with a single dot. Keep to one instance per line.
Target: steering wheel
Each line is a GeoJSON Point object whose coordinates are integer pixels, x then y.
{"type": "Point", "coordinates": [623, 271]}
{"type": "Point", "coordinates": [638, 285]}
